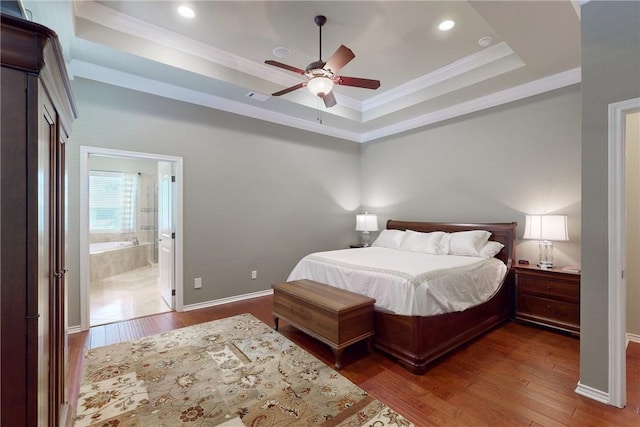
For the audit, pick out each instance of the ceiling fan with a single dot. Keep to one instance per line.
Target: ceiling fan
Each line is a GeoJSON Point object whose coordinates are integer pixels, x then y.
{"type": "Point", "coordinates": [322, 75]}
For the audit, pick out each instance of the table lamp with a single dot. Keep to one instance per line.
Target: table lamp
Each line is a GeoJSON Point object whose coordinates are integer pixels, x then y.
{"type": "Point", "coordinates": [366, 222]}
{"type": "Point", "coordinates": [546, 229]}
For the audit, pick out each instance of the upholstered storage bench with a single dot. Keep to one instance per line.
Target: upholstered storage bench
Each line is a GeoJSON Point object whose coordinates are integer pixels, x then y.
{"type": "Point", "coordinates": [334, 316]}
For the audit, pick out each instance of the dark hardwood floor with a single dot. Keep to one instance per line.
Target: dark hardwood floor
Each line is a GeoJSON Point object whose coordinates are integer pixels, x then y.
{"type": "Point", "coordinates": [515, 375]}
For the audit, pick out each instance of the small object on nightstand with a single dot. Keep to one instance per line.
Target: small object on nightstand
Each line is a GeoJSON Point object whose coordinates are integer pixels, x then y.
{"type": "Point", "coordinates": [523, 262]}
{"type": "Point", "coordinates": [571, 268]}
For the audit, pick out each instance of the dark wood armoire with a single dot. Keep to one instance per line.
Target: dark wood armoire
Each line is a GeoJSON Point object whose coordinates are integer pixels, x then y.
{"type": "Point", "coordinates": [37, 112]}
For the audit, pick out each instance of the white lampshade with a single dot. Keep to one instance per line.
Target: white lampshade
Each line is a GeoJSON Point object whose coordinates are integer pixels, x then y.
{"type": "Point", "coordinates": [366, 222]}
{"type": "Point", "coordinates": [546, 227]}
{"type": "Point", "coordinates": [320, 85]}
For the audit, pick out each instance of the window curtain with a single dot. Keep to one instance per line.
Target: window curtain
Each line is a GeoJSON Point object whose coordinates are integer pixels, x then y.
{"type": "Point", "coordinates": [129, 197]}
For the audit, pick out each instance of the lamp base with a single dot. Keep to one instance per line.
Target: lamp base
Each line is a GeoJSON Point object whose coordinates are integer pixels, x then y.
{"type": "Point", "coordinates": [366, 239]}
{"type": "Point", "coordinates": [546, 254]}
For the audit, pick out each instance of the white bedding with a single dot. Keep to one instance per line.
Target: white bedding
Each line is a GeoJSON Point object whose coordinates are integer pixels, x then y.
{"type": "Point", "coordinates": [404, 282]}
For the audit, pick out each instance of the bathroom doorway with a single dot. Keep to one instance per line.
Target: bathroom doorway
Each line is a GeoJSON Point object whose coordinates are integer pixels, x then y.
{"type": "Point", "coordinates": [121, 262]}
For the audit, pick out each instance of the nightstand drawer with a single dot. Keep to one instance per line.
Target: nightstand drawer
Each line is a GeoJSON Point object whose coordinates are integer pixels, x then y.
{"type": "Point", "coordinates": [549, 310]}
{"type": "Point", "coordinates": [549, 288]}
{"type": "Point", "coordinates": [548, 297]}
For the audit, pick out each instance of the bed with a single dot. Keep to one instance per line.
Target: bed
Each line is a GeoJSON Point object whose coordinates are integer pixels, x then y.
{"type": "Point", "coordinates": [417, 329]}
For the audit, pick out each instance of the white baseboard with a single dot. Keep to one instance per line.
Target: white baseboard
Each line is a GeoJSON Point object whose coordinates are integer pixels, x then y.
{"type": "Point", "coordinates": [633, 338]}
{"type": "Point", "coordinates": [189, 307]}
{"type": "Point", "coordinates": [74, 329]}
{"type": "Point", "coordinates": [593, 393]}
{"type": "Point", "coordinates": [221, 301]}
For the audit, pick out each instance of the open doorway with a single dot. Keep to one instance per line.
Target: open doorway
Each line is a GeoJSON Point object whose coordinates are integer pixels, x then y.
{"type": "Point", "coordinates": [619, 227]}
{"type": "Point", "coordinates": [130, 217]}
{"type": "Point", "coordinates": [632, 270]}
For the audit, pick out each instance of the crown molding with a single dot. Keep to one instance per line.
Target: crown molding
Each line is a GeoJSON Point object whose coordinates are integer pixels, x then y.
{"type": "Point", "coordinates": [110, 18]}
{"type": "Point", "coordinates": [536, 87]}
{"type": "Point", "coordinates": [107, 17]}
{"type": "Point", "coordinates": [115, 20]}
{"type": "Point", "coordinates": [142, 84]}
{"type": "Point", "coordinates": [456, 68]}
{"type": "Point", "coordinates": [154, 87]}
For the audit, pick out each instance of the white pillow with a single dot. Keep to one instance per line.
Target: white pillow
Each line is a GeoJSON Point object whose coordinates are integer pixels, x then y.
{"type": "Point", "coordinates": [389, 239]}
{"type": "Point", "coordinates": [491, 249]}
{"type": "Point", "coordinates": [468, 243]}
{"type": "Point", "coordinates": [429, 243]}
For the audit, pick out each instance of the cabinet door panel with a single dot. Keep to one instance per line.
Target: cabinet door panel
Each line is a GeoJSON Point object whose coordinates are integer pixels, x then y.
{"type": "Point", "coordinates": [46, 257]}
{"type": "Point", "coordinates": [13, 239]}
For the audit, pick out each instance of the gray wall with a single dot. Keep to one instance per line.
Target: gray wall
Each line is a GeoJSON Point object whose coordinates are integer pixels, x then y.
{"type": "Point", "coordinates": [610, 73]}
{"type": "Point", "coordinates": [257, 196]}
{"type": "Point", "coordinates": [496, 165]}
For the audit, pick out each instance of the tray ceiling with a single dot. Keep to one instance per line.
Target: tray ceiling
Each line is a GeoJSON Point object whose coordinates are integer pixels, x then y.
{"type": "Point", "coordinates": [217, 58]}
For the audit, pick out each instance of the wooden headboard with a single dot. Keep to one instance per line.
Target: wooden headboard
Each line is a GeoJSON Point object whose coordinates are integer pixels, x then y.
{"type": "Point", "coordinates": [503, 232]}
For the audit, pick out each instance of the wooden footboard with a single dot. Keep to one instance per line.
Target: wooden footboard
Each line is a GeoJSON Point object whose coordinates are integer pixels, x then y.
{"type": "Point", "coordinates": [416, 341]}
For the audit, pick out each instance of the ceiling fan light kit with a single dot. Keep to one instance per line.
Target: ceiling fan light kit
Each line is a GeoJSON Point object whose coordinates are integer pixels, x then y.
{"type": "Point", "coordinates": [322, 75]}
{"type": "Point", "coordinates": [320, 86]}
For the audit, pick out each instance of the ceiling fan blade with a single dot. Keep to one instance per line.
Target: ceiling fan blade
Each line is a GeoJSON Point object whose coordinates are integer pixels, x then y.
{"type": "Point", "coordinates": [290, 89]}
{"type": "Point", "coordinates": [357, 82]}
{"type": "Point", "coordinates": [285, 66]}
{"type": "Point", "coordinates": [339, 59]}
{"type": "Point", "coordinates": [329, 100]}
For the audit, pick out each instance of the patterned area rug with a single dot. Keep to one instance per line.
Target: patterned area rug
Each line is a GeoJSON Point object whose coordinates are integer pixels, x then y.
{"type": "Point", "coordinates": [231, 372]}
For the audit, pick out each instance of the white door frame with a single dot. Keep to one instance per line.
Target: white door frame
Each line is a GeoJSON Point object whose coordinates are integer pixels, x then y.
{"type": "Point", "coordinates": [85, 153]}
{"type": "Point", "coordinates": [617, 263]}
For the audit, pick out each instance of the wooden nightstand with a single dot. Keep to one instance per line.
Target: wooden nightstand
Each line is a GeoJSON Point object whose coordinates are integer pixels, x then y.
{"type": "Point", "coordinates": [548, 297]}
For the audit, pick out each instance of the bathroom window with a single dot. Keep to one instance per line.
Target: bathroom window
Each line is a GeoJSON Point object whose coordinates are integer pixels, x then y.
{"type": "Point", "coordinates": [112, 200]}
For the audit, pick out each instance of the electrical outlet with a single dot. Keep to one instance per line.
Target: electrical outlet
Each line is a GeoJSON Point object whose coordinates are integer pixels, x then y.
{"type": "Point", "coordinates": [197, 282]}
{"type": "Point", "coordinates": [254, 274]}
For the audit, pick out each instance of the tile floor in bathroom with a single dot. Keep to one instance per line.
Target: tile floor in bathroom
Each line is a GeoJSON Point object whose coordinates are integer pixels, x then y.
{"type": "Point", "coordinates": [126, 296]}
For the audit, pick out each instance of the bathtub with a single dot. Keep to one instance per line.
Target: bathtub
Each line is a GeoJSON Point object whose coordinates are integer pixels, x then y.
{"type": "Point", "coordinates": [107, 259]}
{"type": "Point", "coordinates": [102, 247]}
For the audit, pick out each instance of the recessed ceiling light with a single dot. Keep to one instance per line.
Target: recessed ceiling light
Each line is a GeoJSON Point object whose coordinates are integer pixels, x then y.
{"type": "Point", "coordinates": [281, 52]}
{"type": "Point", "coordinates": [485, 41]}
{"type": "Point", "coordinates": [187, 12]}
{"type": "Point", "coordinates": [446, 25]}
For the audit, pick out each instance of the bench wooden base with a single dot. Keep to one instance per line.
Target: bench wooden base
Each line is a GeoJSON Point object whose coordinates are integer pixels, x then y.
{"type": "Point", "coordinates": [334, 316]}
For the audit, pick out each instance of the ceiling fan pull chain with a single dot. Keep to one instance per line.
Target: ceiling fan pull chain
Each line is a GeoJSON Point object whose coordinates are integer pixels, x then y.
{"type": "Point", "coordinates": [318, 112]}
